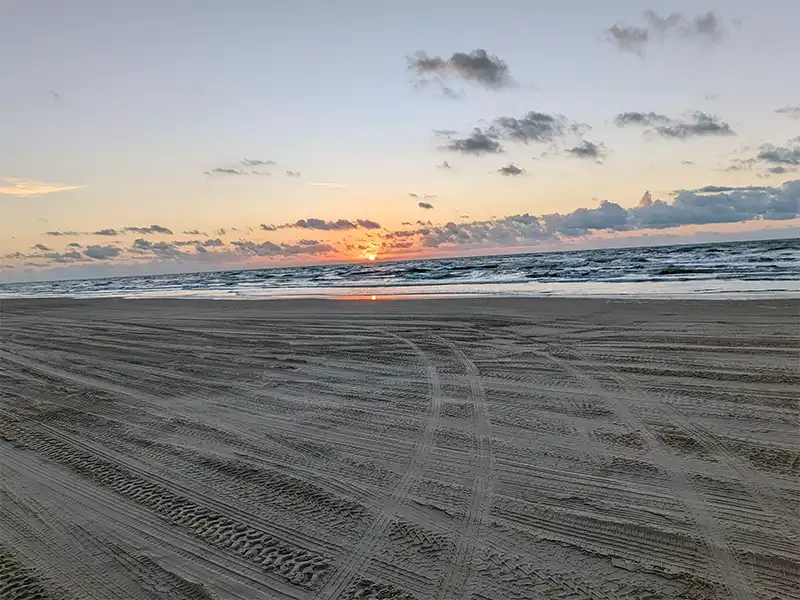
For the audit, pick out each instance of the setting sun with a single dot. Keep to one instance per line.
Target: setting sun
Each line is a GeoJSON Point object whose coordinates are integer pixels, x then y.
{"type": "Point", "coordinates": [371, 257]}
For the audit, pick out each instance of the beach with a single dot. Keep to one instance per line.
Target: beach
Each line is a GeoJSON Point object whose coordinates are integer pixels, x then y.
{"type": "Point", "coordinates": [390, 449]}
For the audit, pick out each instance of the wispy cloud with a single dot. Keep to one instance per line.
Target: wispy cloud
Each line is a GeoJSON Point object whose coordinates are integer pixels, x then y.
{"type": "Point", "coordinates": [327, 184]}
{"type": "Point", "coordinates": [29, 188]}
{"type": "Point", "coordinates": [705, 27]}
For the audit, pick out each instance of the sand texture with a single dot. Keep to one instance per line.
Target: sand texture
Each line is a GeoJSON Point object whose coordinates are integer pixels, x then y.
{"type": "Point", "coordinates": [398, 450]}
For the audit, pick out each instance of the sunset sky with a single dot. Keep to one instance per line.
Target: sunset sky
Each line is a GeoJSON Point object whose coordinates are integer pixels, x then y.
{"type": "Point", "coordinates": [187, 135]}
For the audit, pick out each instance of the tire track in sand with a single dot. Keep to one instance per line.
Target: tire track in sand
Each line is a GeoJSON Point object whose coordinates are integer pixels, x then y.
{"type": "Point", "coordinates": [454, 586]}
{"type": "Point", "coordinates": [363, 550]}
{"type": "Point", "coordinates": [723, 557]}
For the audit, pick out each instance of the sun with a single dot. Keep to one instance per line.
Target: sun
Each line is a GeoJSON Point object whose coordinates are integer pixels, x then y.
{"type": "Point", "coordinates": [371, 257]}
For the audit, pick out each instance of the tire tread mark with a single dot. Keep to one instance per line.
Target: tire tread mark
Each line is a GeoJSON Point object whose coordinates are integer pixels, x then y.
{"type": "Point", "coordinates": [360, 554]}
{"type": "Point", "coordinates": [454, 586]}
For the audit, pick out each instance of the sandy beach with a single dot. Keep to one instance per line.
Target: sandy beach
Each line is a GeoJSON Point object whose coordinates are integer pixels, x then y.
{"type": "Point", "coordinates": [397, 450]}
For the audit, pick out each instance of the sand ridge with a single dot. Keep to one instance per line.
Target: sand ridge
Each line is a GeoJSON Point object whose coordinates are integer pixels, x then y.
{"type": "Point", "coordinates": [448, 449]}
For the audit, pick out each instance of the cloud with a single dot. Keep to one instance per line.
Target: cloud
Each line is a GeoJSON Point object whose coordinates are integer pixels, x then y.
{"type": "Point", "coordinates": [367, 224]}
{"type": "Point", "coordinates": [272, 249]}
{"type": "Point", "coordinates": [322, 225]}
{"type": "Point", "coordinates": [74, 245]}
{"type": "Point", "coordinates": [254, 162]}
{"type": "Point", "coordinates": [698, 124]}
{"type": "Point", "coordinates": [705, 27]}
{"type": "Point", "coordinates": [30, 188]}
{"type": "Point", "coordinates": [265, 227]}
{"type": "Point", "coordinates": [641, 118]}
{"type": "Point", "coordinates": [148, 230]}
{"type": "Point", "coordinates": [511, 170]}
{"type": "Point", "coordinates": [719, 204]}
{"type": "Point", "coordinates": [413, 195]}
{"type": "Point", "coordinates": [194, 232]}
{"type": "Point", "coordinates": [772, 159]}
{"type": "Point", "coordinates": [62, 233]}
{"type": "Point", "coordinates": [629, 38]}
{"type": "Point", "coordinates": [531, 127]}
{"type": "Point", "coordinates": [425, 205]}
{"type": "Point", "coordinates": [478, 143]}
{"type": "Point", "coordinates": [790, 111]}
{"type": "Point", "coordinates": [107, 232]}
{"type": "Point", "coordinates": [327, 184]}
{"type": "Point", "coordinates": [707, 205]}
{"type": "Point", "coordinates": [226, 171]}
{"type": "Point", "coordinates": [292, 173]}
{"type": "Point", "coordinates": [780, 155]}
{"type": "Point", "coordinates": [587, 149]}
{"type": "Point", "coordinates": [444, 165]}
{"type": "Point", "coordinates": [101, 252]}
{"type": "Point", "coordinates": [41, 247]}
{"type": "Point", "coordinates": [477, 66]}
{"type": "Point", "coordinates": [536, 127]}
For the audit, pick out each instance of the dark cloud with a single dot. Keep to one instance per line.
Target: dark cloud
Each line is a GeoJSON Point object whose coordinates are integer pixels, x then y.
{"type": "Point", "coordinates": [62, 233]}
{"type": "Point", "coordinates": [148, 230]}
{"type": "Point", "coordinates": [367, 224]}
{"type": "Point", "coordinates": [698, 124]}
{"type": "Point", "coordinates": [478, 143]}
{"type": "Point", "coordinates": [292, 173]}
{"type": "Point", "coordinates": [629, 38]}
{"type": "Point", "coordinates": [315, 248]}
{"type": "Point", "coordinates": [64, 257]}
{"type": "Point", "coordinates": [254, 162]}
{"type": "Point", "coordinates": [266, 227]}
{"type": "Point", "coordinates": [609, 215]}
{"type": "Point", "coordinates": [74, 245]}
{"type": "Point", "coordinates": [413, 195]}
{"type": "Point", "coordinates": [587, 149]}
{"type": "Point", "coordinates": [772, 159]}
{"type": "Point", "coordinates": [338, 225]}
{"type": "Point", "coordinates": [101, 252]}
{"type": "Point", "coordinates": [535, 127]}
{"type": "Point", "coordinates": [213, 243]}
{"type": "Point", "coordinates": [272, 249]}
{"type": "Point", "coordinates": [425, 205]}
{"type": "Point", "coordinates": [158, 249]}
{"type": "Point", "coordinates": [641, 118]}
{"type": "Point", "coordinates": [707, 205]}
{"type": "Point", "coordinates": [511, 170]}
{"type": "Point", "coordinates": [719, 204]}
{"type": "Point", "coordinates": [194, 232]}
{"type": "Point", "coordinates": [107, 232]}
{"type": "Point", "coordinates": [41, 247]}
{"type": "Point", "coordinates": [780, 155]}
{"type": "Point", "coordinates": [705, 27]}
{"type": "Point", "coordinates": [790, 111]}
{"type": "Point", "coordinates": [477, 66]}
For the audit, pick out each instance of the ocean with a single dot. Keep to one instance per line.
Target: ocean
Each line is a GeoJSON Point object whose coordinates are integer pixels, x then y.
{"type": "Point", "coordinates": [750, 269]}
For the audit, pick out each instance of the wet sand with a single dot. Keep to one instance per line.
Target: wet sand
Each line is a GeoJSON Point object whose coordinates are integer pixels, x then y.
{"type": "Point", "coordinates": [448, 449]}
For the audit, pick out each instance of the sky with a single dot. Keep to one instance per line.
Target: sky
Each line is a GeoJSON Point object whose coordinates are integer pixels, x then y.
{"type": "Point", "coordinates": [143, 136]}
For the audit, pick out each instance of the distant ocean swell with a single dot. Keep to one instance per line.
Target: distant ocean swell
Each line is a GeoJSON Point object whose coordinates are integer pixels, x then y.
{"type": "Point", "coordinates": [740, 269]}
